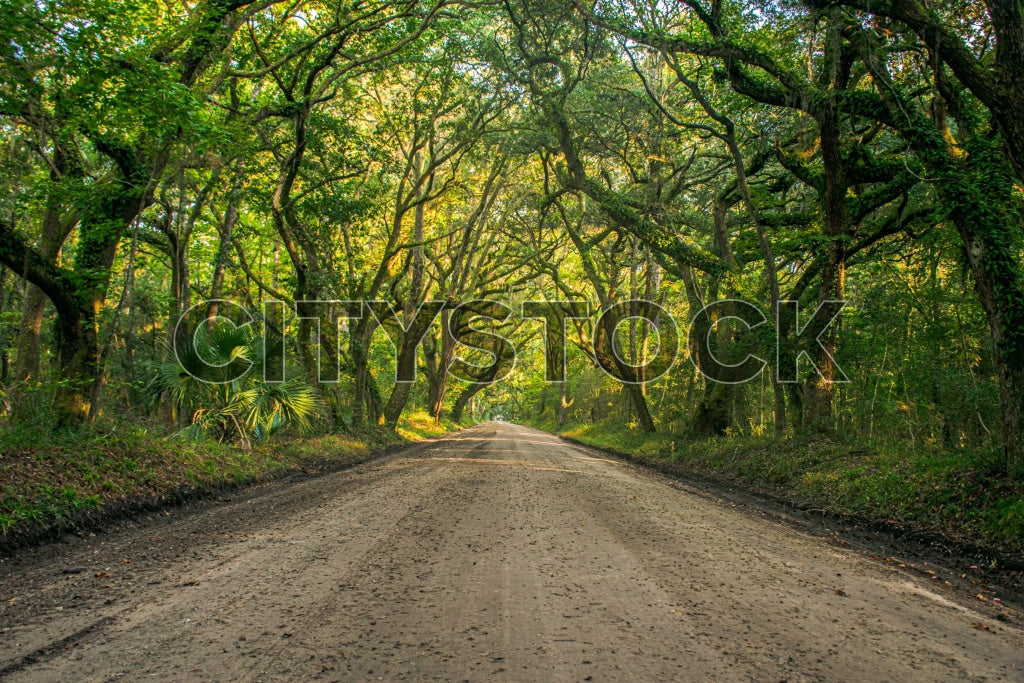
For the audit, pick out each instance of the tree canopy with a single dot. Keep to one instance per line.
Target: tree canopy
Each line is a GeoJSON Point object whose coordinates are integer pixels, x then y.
{"type": "Point", "coordinates": [592, 169]}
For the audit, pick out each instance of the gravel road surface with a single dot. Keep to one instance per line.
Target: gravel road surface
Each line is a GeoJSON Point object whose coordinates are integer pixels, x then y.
{"type": "Point", "coordinates": [499, 552]}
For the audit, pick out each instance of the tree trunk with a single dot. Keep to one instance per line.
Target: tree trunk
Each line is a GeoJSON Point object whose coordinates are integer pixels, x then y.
{"type": "Point", "coordinates": [435, 399]}
{"type": "Point", "coordinates": [779, 403]}
{"type": "Point", "coordinates": [78, 346]}
{"type": "Point", "coordinates": [1000, 287]}
{"type": "Point", "coordinates": [714, 414]}
{"type": "Point", "coordinates": [366, 399]}
{"type": "Point", "coordinates": [602, 346]}
{"type": "Point", "coordinates": [50, 241]}
{"type": "Point", "coordinates": [78, 358]}
{"type": "Point", "coordinates": [28, 354]}
{"type": "Point", "coordinates": [438, 361]}
{"type": "Point", "coordinates": [820, 389]}
{"type": "Point", "coordinates": [407, 350]}
{"type": "Point", "coordinates": [795, 404]}
{"type": "Point", "coordinates": [464, 398]}
{"type": "Point", "coordinates": [226, 230]}
{"type": "Point", "coordinates": [4, 359]}
{"type": "Point", "coordinates": [359, 363]}
{"type": "Point", "coordinates": [396, 403]}
{"type": "Point", "coordinates": [564, 402]}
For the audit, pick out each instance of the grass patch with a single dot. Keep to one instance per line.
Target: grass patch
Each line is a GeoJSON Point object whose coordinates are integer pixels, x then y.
{"type": "Point", "coordinates": [963, 495]}
{"type": "Point", "coordinates": [49, 481]}
{"type": "Point", "coordinates": [420, 425]}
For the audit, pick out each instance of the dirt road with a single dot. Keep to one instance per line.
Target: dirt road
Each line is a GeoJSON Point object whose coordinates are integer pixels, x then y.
{"type": "Point", "coordinates": [500, 552]}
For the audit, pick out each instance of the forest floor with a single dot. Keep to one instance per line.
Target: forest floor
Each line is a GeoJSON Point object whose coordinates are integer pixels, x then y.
{"type": "Point", "coordinates": [79, 483]}
{"type": "Point", "coordinates": [926, 503]}
{"type": "Point", "coordinates": [498, 552]}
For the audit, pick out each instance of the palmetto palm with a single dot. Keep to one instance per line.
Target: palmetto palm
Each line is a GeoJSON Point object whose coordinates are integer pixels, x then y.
{"type": "Point", "coordinates": [217, 380]}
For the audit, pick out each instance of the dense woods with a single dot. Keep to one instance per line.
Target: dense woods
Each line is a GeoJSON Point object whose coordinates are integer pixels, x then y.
{"type": "Point", "coordinates": [168, 162]}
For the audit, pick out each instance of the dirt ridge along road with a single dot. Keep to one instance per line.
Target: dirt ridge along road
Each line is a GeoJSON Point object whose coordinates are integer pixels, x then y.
{"type": "Point", "coordinates": [499, 551]}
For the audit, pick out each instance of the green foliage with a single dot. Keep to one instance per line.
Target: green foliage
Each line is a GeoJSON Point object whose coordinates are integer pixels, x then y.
{"type": "Point", "coordinates": [960, 495]}
{"type": "Point", "coordinates": [217, 382]}
{"type": "Point", "coordinates": [54, 484]}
